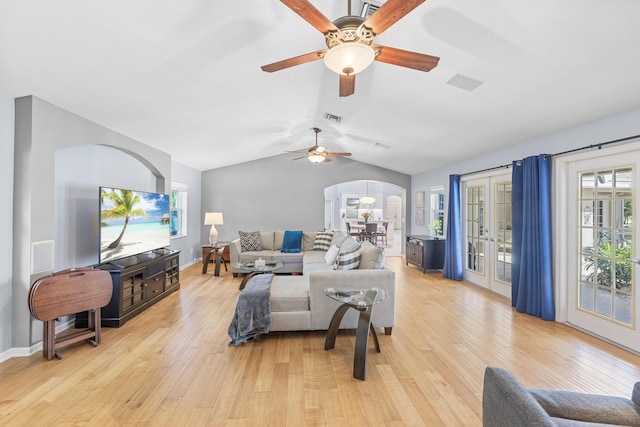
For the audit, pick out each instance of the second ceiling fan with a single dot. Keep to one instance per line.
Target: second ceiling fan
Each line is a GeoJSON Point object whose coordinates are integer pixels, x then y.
{"type": "Point", "coordinates": [349, 41]}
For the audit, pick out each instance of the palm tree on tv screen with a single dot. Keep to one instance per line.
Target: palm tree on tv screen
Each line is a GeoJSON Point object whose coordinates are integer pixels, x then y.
{"type": "Point", "coordinates": [124, 201]}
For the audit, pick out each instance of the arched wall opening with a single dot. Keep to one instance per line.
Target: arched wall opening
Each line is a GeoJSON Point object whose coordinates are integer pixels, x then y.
{"type": "Point", "coordinates": [347, 201]}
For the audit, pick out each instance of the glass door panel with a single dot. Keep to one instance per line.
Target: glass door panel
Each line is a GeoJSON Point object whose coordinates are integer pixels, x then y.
{"type": "Point", "coordinates": [602, 296]}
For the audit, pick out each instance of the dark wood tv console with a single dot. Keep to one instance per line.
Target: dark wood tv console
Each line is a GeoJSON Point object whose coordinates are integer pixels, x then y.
{"type": "Point", "coordinates": [139, 281]}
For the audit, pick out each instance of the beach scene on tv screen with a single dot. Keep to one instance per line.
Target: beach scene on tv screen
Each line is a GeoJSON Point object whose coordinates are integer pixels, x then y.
{"type": "Point", "coordinates": [132, 222]}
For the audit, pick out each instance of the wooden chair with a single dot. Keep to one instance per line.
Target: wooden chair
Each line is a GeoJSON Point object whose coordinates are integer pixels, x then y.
{"type": "Point", "coordinates": [382, 233]}
{"type": "Point", "coordinates": [352, 233]}
{"type": "Point", "coordinates": [370, 232]}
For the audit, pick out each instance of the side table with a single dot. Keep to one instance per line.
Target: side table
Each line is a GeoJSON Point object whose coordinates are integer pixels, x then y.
{"type": "Point", "coordinates": [251, 268]}
{"type": "Point", "coordinates": [363, 301]}
{"type": "Point", "coordinates": [216, 251]}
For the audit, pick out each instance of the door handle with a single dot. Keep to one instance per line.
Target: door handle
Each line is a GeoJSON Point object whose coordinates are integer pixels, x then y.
{"type": "Point", "coordinates": [635, 261]}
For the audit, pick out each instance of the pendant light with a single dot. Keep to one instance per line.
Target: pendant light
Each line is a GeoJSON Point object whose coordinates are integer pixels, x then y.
{"type": "Point", "coordinates": [367, 199]}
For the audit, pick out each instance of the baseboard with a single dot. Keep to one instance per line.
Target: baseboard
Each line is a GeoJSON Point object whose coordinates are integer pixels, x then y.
{"type": "Point", "coordinates": [35, 348]}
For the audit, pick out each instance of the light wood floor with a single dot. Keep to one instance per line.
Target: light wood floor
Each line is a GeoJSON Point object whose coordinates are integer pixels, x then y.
{"type": "Point", "coordinates": [171, 365]}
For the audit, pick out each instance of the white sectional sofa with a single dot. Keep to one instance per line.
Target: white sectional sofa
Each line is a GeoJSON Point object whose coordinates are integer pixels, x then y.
{"type": "Point", "coordinates": [298, 302]}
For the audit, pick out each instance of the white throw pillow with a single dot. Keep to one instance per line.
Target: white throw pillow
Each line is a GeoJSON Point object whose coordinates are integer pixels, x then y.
{"type": "Point", "coordinates": [349, 245]}
{"type": "Point", "coordinates": [331, 255]}
{"type": "Point", "coordinates": [338, 238]}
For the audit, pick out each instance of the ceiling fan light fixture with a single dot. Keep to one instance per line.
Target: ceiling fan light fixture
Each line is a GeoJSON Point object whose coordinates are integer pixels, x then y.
{"type": "Point", "coordinates": [349, 58]}
{"type": "Point", "coordinates": [316, 158]}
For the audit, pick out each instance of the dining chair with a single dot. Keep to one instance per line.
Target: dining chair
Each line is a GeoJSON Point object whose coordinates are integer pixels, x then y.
{"type": "Point", "coordinates": [355, 234]}
{"type": "Point", "coordinates": [381, 233]}
{"type": "Point", "coordinates": [370, 231]}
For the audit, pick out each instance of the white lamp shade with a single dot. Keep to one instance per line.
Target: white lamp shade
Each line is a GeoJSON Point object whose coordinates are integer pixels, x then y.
{"type": "Point", "coordinates": [349, 58]}
{"type": "Point", "coordinates": [213, 218]}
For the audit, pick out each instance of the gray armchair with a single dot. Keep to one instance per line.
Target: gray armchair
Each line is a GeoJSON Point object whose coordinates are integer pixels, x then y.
{"type": "Point", "coordinates": [505, 402]}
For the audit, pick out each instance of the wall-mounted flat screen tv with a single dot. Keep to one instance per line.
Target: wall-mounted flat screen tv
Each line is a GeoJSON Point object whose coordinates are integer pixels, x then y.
{"type": "Point", "coordinates": [132, 223]}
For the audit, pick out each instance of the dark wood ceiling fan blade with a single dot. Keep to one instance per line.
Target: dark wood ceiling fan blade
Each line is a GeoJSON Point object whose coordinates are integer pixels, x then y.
{"type": "Point", "coordinates": [298, 158]}
{"type": "Point", "coordinates": [390, 13]}
{"type": "Point", "coordinates": [347, 84]}
{"type": "Point", "coordinates": [310, 14]}
{"type": "Point", "coordinates": [404, 58]}
{"type": "Point", "coordinates": [292, 62]}
{"type": "Point", "coordinates": [338, 154]}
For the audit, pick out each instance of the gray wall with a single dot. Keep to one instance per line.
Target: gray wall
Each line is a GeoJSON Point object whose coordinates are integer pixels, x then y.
{"type": "Point", "coordinates": [6, 221]}
{"type": "Point", "coordinates": [279, 193]}
{"type": "Point", "coordinates": [621, 125]}
{"type": "Point", "coordinates": [42, 129]}
{"type": "Point", "coordinates": [189, 245]}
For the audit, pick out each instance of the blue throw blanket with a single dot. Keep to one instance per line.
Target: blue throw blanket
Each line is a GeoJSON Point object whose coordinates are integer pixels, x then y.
{"type": "Point", "coordinates": [253, 312]}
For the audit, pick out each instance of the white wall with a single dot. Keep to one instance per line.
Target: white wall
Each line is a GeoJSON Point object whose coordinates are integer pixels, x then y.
{"type": "Point", "coordinates": [6, 222]}
{"type": "Point", "coordinates": [614, 127]}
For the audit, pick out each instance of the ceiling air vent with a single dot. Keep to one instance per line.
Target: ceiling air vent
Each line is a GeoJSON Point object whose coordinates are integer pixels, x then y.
{"type": "Point", "coordinates": [464, 82]}
{"type": "Point", "coordinates": [333, 117]}
{"type": "Point", "coordinates": [368, 9]}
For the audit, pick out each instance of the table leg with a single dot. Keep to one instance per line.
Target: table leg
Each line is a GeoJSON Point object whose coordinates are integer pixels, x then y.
{"type": "Point", "coordinates": [330, 340]}
{"type": "Point", "coordinates": [246, 279]}
{"type": "Point", "coordinates": [205, 262]}
{"type": "Point", "coordinates": [362, 341]}
{"type": "Point", "coordinates": [218, 259]}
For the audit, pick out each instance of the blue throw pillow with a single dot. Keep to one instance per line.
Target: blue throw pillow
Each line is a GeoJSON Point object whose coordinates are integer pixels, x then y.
{"type": "Point", "coordinates": [292, 241]}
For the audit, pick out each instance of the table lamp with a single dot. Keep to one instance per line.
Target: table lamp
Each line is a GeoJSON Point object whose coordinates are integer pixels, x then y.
{"type": "Point", "coordinates": [213, 219]}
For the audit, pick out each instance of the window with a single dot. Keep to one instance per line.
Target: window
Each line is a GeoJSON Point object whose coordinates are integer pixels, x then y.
{"type": "Point", "coordinates": [178, 210]}
{"type": "Point", "coordinates": [437, 207]}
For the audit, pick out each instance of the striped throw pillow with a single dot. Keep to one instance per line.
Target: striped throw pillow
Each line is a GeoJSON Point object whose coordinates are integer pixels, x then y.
{"type": "Point", "coordinates": [323, 241]}
{"type": "Point", "coordinates": [349, 260]}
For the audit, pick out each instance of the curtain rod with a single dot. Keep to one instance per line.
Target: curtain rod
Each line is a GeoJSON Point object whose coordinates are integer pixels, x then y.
{"type": "Point", "coordinates": [562, 153]}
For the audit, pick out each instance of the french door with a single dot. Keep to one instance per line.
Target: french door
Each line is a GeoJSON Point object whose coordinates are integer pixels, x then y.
{"type": "Point", "coordinates": [602, 238]}
{"type": "Point", "coordinates": [486, 210]}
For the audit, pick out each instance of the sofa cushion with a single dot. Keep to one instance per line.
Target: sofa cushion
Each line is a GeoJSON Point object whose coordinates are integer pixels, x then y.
{"type": "Point", "coordinates": [313, 257]}
{"type": "Point", "coordinates": [349, 259]}
{"type": "Point", "coordinates": [292, 242]}
{"type": "Point", "coordinates": [308, 238]}
{"type": "Point", "coordinates": [587, 407]}
{"type": "Point", "coordinates": [331, 255]}
{"type": "Point", "coordinates": [278, 237]}
{"type": "Point", "coordinates": [289, 293]}
{"type": "Point", "coordinates": [266, 240]}
{"type": "Point", "coordinates": [322, 241]}
{"type": "Point", "coordinates": [372, 257]}
{"type": "Point", "coordinates": [288, 257]}
{"type": "Point", "coordinates": [250, 241]}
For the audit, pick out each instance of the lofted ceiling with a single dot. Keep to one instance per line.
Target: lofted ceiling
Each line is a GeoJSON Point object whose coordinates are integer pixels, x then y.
{"type": "Point", "coordinates": [184, 76]}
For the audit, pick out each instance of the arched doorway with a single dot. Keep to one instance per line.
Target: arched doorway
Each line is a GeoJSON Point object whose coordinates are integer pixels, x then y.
{"type": "Point", "coordinates": [386, 202]}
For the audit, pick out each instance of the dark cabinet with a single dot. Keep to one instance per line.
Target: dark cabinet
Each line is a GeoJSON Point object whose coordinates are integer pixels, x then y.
{"type": "Point", "coordinates": [425, 252]}
{"type": "Point", "coordinates": [138, 282]}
